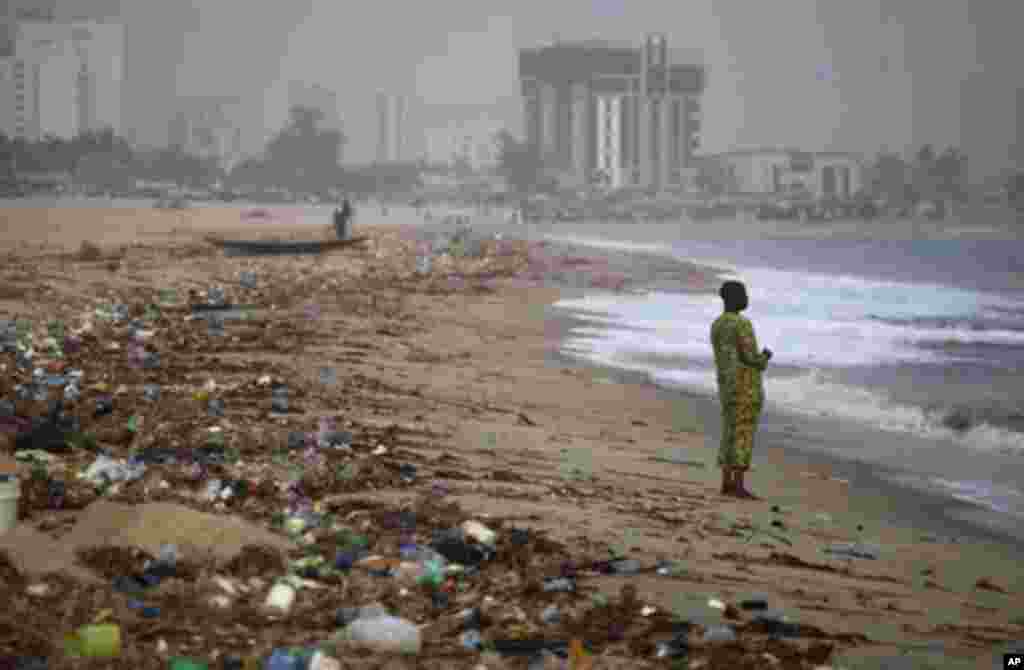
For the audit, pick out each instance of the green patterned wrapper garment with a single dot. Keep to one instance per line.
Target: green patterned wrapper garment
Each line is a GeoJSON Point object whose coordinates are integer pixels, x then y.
{"type": "Point", "coordinates": [740, 388]}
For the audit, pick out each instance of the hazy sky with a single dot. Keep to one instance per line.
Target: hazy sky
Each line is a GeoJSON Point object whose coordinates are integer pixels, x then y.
{"type": "Point", "coordinates": [825, 74]}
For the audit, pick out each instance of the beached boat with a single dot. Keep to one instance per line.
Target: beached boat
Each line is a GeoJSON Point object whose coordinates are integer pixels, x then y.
{"type": "Point", "coordinates": [281, 247]}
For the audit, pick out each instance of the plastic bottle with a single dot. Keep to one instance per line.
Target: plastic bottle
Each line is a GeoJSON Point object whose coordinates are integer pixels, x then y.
{"type": "Point", "coordinates": [180, 663]}
{"type": "Point", "coordinates": [283, 659]}
{"type": "Point", "coordinates": [385, 633]}
{"type": "Point", "coordinates": [559, 585]}
{"type": "Point", "coordinates": [628, 566]}
{"type": "Point", "coordinates": [719, 634]}
{"type": "Point", "coordinates": [471, 640]}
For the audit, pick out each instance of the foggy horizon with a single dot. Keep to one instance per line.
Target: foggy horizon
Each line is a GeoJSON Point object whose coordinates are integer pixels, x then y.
{"type": "Point", "coordinates": [822, 76]}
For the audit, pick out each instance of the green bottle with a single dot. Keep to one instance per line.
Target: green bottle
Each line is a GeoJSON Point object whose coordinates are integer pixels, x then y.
{"type": "Point", "coordinates": [180, 663]}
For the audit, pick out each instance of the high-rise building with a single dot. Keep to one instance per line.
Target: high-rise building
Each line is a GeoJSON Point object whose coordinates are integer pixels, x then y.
{"type": "Point", "coordinates": [620, 115]}
{"type": "Point", "coordinates": [391, 122]}
{"type": "Point", "coordinates": [991, 97]}
{"type": "Point", "coordinates": [16, 11]}
{"type": "Point", "coordinates": [66, 78]}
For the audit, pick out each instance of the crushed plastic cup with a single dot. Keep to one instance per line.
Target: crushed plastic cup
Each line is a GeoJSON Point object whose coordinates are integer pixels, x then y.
{"type": "Point", "coordinates": [677, 647]}
{"type": "Point", "coordinates": [213, 489]}
{"type": "Point", "coordinates": [472, 640]}
{"type": "Point", "coordinates": [215, 296]}
{"type": "Point", "coordinates": [407, 473]}
{"type": "Point", "coordinates": [279, 399]}
{"type": "Point", "coordinates": [104, 406]}
{"type": "Point", "coordinates": [328, 376]}
{"type": "Point", "coordinates": [215, 325]}
{"type": "Point", "coordinates": [296, 440]}
{"type": "Point", "coordinates": [719, 634]}
{"type": "Point", "coordinates": [551, 615]}
{"type": "Point", "coordinates": [150, 360]}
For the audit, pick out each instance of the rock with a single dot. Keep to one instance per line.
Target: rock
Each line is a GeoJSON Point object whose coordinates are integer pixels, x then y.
{"type": "Point", "coordinates": [147, 527]}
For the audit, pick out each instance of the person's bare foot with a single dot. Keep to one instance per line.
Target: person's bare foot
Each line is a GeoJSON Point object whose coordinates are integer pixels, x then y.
{"type": "Point", "coordinates": [744, 494]}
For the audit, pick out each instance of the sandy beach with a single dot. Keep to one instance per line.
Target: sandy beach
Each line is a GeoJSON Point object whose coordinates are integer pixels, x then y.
{"type": "Point", "coordinates": [459, 376]}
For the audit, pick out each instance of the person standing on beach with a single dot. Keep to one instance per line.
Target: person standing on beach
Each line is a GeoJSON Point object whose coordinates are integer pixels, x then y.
{"type": "Point", "coordinates": [740, 387]}
{"type": "Point", "coordinates": [342, 217]}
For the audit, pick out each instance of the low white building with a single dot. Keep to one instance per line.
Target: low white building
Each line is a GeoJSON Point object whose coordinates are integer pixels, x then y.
{"type": "Point", "coordinates": [823, 174]}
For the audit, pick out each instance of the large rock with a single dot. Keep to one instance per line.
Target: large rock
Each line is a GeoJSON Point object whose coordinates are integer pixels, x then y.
{"type": "Point", "coordinates": [149, 526]}
{"type": "Point", "coordinates": [199, 536]}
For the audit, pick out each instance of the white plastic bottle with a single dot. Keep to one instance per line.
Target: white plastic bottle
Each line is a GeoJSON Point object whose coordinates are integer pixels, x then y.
{"type": "Point", "coordinates": [281, 596]}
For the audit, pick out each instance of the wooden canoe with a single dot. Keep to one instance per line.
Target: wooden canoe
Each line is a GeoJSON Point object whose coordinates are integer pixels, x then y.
{"type": "Point", "coordinates": [281, 247]}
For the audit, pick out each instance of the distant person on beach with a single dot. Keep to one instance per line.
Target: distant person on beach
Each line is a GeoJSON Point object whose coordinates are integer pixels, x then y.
{"type": "Point", "coordinates": [740, 388]}
{"type": "Point", "coordinates": [342, 217]}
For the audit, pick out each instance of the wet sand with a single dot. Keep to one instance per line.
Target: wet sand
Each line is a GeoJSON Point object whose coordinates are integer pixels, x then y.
{"type": "Point", "coordinates": [481, 361]}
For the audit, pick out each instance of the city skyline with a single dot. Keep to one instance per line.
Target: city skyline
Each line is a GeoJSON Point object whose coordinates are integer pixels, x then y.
{"type": "Point", "coordinates": [821, 75]}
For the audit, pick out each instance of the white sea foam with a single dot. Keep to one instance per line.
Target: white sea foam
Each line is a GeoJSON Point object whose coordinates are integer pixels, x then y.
{"type": "Point", "coordinates": [812, 322]}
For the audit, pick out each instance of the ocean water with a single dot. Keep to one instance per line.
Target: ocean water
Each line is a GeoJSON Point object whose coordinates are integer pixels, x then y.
{"type": "Point", "coordinates": [894, 338]}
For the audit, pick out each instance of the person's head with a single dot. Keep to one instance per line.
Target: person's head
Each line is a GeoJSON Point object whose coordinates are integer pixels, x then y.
{"type": "Point", "coordinates": [734, 294]}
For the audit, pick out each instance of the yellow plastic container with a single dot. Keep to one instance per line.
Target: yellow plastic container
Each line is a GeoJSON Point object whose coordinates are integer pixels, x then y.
{"type": "Point", "coordinates": [95, 641]}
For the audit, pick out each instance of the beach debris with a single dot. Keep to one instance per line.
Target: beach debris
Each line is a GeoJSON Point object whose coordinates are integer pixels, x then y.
{"type": "Point", "coordinates": [317, 537]}
{"type": "Point", "coordinates": [328, 376]}
{"type": "Point", "coordinates": [986, 584]}
{"type": "Point", "coordinates": [384, 633]}
{"type": "Point", "coordinates": [853, 550]}
{"type": "Point", "coordinates": [279, 399]}
{"type": "Point", "coordinates": [525, 419]}
{"type": "Point", "coordinates": [247, 280]}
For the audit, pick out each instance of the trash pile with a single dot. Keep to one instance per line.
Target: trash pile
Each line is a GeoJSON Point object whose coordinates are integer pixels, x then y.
{"type": "Point", "coordinates": [487, 258]}
{"type": "Point", "coordinates": [210, 523]}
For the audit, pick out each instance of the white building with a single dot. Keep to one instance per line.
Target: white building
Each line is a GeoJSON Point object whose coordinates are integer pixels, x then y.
{"type": "Point", "coordinates": [392, 111]}
{"type": "Point", "coordinates": [784, 170]}
{"type": "Point", "coordinates": [66, 79]}
{"type": "Point", "coordinates": [8, 115]}
{"type": "Point", "coordinates": [472, 142]}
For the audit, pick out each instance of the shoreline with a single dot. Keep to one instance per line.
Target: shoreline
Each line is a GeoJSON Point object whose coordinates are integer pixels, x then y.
{"type": "Point", "coordinates": [463, 363]}
{"type": "Point", "coordinates": [929, 512]}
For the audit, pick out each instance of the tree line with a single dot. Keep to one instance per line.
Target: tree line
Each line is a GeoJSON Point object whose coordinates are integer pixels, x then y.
{"type": "Point", "coordinates": [929, 175]}
{"type": "Point", "coordinates": [302, 156]}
